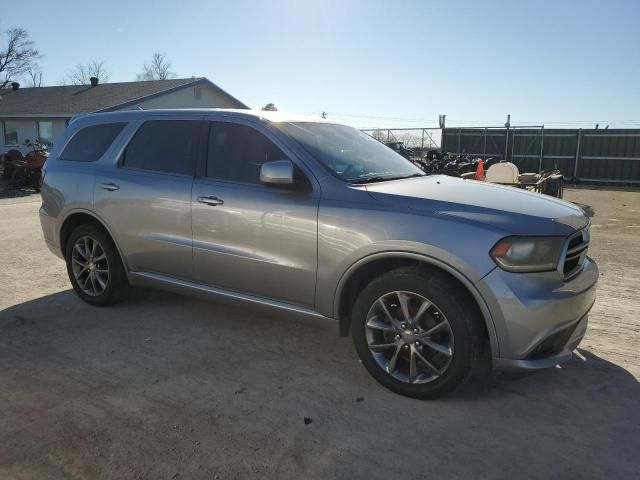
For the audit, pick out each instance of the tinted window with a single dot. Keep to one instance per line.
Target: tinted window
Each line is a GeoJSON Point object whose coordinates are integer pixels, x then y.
{"type": "Point", "coordinates": [90, 143]}
{"type": "Point", "coordinates": [169, 146]}
{"type": "Point", "coordinates": [237, 152]}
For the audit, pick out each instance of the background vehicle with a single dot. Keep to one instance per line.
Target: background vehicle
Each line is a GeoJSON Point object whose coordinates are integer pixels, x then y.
{"type": "Point", "coordinates": [455, 166]}
{"type": "Point", "coordinates": [430, 274]}
{"type": "Point", "coordinates": [25, 171]}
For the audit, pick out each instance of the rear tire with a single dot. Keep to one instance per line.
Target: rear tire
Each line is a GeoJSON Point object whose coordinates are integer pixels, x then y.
{"type": "Point", "coordinates": [391, 323]}
{"type": "Point", "coordinates": [94, 266]}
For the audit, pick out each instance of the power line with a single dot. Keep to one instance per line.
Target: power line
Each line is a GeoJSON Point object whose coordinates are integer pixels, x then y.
{"type": "Point", "coordinates": [378, 117]}
{"type": "Point", "coordinates": [372, 121]}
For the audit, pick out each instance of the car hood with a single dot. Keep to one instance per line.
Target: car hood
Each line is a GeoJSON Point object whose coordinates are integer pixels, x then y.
{"type": "Point", "coordinates": [510, 210]}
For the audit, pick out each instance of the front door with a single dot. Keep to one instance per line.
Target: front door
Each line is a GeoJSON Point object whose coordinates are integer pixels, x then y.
{"type": "Point", "coordinates": [249, 237]}
{"type": "Point", "coordinates": [146, 198]}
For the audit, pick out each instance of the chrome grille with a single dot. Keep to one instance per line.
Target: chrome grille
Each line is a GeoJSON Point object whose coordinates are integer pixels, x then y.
{"type": "Point", "coordinates": [574, 253]}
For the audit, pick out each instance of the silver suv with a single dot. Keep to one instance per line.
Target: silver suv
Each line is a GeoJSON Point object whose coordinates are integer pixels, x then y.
{"type": "Point", "coordinates": [430, 274]}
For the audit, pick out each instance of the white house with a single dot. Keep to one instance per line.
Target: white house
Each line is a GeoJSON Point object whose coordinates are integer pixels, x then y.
{"type": "Point", "coordinates": [42, 113]}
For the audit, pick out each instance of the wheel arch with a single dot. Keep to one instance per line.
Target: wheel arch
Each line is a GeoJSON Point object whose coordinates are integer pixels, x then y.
{"type": "Point", "coordinates": [355, 278]}
{"type": "Point", "coordinates": [78, 217]}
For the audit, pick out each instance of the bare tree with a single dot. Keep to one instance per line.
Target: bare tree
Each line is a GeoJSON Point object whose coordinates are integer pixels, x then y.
{"type": "Point", "coordinates": [16, 56]}
{"type": "Point", "coordinates": [158, 69]}
{"type": "Point", "coordinates": [83, 72]}
{"type": "Point", "coordinates": [35, 76]}
{"type": "Point", "coordinates": [411, 139]}
{"type": "Point", "coordinates": [381, 135]}
{"type": "Point", "coordinates": [270, 107]}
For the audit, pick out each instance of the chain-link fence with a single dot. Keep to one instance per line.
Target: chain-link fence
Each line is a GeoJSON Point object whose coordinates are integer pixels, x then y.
{"type": "Point", "coordinates": [420, 140]}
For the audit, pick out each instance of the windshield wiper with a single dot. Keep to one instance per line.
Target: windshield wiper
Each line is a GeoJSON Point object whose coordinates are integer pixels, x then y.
{"type": "Point", "coordinates": [413, 175]}
{"type": "Point", "coordinates": [359, 181]}
{"type": "Point", "coordinates": [384, 179]}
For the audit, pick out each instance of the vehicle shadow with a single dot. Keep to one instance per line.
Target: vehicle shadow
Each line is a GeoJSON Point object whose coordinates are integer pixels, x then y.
{"type": "Point", "coordinates": [244, 378]}
{"type": "Point", "coordinates": [585, 370]}
{"type": "Point", "coordinates": [62, 315]}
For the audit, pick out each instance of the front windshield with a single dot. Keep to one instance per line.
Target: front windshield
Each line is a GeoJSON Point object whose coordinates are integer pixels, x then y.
{"type": "Point", "coordinates": [351, 154]}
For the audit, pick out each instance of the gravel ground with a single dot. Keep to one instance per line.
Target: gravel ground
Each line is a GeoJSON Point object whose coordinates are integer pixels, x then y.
{"type": "Point", "coordinates": [166, 387]}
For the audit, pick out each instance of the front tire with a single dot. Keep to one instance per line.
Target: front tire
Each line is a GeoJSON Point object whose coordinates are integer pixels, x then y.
{"type": "Point", "coordinates": [94, 266]}
{"type": "Point", "coordinates": [416, 332]}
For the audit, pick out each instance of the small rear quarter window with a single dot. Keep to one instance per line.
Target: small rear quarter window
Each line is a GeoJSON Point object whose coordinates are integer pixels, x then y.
{"type": "Point", "coordinates": [90, 143]}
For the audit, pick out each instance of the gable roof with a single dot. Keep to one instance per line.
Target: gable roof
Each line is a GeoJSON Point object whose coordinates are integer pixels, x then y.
{"type": "Point", "coordinates": [68, 100]}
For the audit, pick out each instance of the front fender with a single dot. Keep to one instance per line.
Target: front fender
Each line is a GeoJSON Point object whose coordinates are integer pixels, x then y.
{"type": "Point", "coordinates": [464, 276]}
{"type": "Point", "coordinates": [349, 233]}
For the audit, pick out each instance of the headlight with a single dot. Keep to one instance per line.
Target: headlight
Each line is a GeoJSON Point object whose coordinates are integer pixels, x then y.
{"type": "Point", "coordinates": [527, 254]}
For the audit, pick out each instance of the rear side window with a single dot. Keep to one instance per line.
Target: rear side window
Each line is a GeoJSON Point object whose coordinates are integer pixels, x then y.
{"type": "Point", "coordinates": [167, 146]}
{"type": "Point", "coordinates": [236, 153]}
{"type": "Point", "coordinates": [90, 143]}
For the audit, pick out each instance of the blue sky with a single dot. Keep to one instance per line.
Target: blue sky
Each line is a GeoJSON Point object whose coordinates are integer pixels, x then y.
{"type": "Point", "coordinates": [369, 63]}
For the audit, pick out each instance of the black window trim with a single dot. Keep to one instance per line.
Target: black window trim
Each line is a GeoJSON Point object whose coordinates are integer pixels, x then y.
{"type": "Point", "coordinates": [201, 154]}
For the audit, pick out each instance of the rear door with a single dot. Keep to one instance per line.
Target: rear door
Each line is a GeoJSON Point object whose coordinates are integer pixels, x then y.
{"type": "Point", "coordinates": [146, 198]}
{"type": "Point", "coordinates": [249, 237]}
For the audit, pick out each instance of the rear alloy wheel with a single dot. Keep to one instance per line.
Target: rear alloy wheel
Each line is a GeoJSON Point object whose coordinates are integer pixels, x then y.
{"type": "Point", "coordinates": [94, 266]}
{"type": "Point", "coordinates": [90, 266]}
{"type": "Point", "coordinates": [417, 332]}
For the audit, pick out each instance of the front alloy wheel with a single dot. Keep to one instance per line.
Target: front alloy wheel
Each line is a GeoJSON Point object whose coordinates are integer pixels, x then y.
{"type": "Point", "coordinates": [417, 331]}
{"type": "Point", "coordinates": [409, 337]}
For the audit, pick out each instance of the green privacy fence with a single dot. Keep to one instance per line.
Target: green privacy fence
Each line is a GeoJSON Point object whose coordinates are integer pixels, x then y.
{"type": "Point", "coordinates": [603, 155]}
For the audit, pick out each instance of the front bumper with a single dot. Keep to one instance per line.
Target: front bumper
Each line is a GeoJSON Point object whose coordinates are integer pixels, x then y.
{"type": "Point", "coordinates": [539, 319]}
{"type": "Point", "coordinates": [564, 353]}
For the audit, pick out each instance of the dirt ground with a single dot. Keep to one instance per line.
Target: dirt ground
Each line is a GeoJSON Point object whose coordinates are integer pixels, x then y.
{"type": "Point", "coordinates": [166, 387]}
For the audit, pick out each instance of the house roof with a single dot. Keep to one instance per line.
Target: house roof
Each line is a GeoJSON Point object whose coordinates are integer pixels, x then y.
{"type": "Point", "coordinates": [73, 99]}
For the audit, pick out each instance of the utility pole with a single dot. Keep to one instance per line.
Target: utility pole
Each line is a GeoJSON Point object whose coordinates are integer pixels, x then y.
{"type": "Point", "coordinates": [441, 120]}
{"type": "Point", "coordinates": [507, 125]}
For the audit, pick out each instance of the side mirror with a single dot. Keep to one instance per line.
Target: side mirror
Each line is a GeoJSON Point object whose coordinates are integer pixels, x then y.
{"type": "Point", "coordinates": [277, 173]}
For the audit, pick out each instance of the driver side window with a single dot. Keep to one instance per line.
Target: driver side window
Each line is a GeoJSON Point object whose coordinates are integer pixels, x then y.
{"type": "Point", "coordinates": [236, 153]}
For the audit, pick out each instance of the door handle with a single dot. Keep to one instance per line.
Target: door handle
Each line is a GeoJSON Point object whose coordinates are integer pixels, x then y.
{"type": "Point", "coordinates": [112, 187]}
{"type": "Point", "coordinates": [210, 200]}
